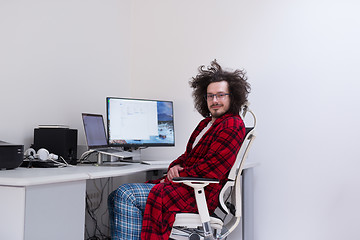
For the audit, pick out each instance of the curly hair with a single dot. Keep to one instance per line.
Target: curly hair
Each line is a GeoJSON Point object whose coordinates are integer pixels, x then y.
{"type": "Point", "coordinates": [239, 88]}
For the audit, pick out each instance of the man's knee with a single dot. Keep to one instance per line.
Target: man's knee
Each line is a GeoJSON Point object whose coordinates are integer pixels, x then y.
{"type": "Point", "coordinates": [123, 193]}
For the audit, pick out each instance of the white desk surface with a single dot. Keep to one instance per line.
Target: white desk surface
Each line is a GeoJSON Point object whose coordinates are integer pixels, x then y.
{"type": "Point", "coordinates": [36, 176]}
{"type": "Point", "coordinates": [21, 177]}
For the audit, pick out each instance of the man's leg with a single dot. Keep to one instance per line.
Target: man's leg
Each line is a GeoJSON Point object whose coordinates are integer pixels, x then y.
{"type": "Point", "coordinates": [126, 208]}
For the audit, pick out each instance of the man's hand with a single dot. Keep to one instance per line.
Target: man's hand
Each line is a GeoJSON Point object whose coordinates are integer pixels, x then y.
{"type": "Point", "coordinates": [174, 172]}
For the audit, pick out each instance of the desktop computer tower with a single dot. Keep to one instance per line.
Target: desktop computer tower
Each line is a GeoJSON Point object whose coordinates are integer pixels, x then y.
{"type": "Point", "coordinates": [60, 141]}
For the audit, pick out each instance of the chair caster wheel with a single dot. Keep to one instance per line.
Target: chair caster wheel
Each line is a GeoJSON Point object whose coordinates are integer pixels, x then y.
{"type": "Point", "coordinates": [194, 236]}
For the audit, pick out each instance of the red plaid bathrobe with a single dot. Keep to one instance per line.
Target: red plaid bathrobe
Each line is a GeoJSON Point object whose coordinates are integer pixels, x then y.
{"type": "Point", "coordinates": [212, 157]}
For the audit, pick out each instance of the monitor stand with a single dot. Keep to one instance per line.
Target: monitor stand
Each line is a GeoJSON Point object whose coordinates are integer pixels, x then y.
{"type": "Point", "coordinates": [130, 156]}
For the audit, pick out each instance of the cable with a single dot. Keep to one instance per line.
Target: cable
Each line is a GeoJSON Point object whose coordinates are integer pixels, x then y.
{"type": "Point", "coordinates": [30, 159]}
{"type": "Point", "coordinates": [60, 164]}
{"type": "Point", "coordinates": [86, 154]}
{"type": "Point", "coordinates": [84, 157]}
{"type": "Point", "coordinates": [97, 233]}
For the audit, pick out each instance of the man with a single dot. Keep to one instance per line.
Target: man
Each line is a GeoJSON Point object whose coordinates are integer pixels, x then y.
{"type": "Point", "coordinates": [149, 209]}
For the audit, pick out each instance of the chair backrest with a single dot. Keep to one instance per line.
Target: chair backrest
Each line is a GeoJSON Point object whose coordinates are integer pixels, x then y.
{"type": "Point", "coordinates": [236, 170]}
{"type": "Point", "coordinates": [230, 195]}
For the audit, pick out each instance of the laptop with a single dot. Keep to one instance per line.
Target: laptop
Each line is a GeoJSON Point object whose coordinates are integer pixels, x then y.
{"type": "Point", "coordinates": [95, 135]}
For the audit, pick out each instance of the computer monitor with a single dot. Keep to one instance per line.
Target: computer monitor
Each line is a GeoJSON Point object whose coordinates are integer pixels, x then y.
{"type": "Point", "coordinates": [138, 123]}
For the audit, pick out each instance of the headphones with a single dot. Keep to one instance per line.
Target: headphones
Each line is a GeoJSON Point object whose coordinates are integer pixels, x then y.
{"type": "Point", "coordinates": [42, 154]}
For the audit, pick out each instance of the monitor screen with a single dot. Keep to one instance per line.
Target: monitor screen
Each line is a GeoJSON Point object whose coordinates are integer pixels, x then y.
{"type": "Point", "coordinates": [139, 122]}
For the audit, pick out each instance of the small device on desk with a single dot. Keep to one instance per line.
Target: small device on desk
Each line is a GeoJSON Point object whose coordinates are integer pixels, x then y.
{"type": "Point", "coordinates": [58, 139]}
{"type": "Point", "coordinates": [42, 159]}
{"type": "Point", "coordinates": [11, 155]}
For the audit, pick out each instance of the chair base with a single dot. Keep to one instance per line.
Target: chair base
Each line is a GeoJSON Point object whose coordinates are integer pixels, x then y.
{"type": "Point", "coordinates": [192, 220]}
{"type": "Point", "coordinates": [188, 226]}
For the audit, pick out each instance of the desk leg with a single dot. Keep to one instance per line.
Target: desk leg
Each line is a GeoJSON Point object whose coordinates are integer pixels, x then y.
{"type": "Point", "coordinates": [248, 204]}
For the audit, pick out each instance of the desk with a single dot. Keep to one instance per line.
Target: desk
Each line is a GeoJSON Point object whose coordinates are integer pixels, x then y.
{"type": "Point", "coordinates": [49, 203]}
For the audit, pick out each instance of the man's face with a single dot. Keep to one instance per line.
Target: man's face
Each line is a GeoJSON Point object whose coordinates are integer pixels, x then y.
{"type": "Point", "coordinates": [218, 98]}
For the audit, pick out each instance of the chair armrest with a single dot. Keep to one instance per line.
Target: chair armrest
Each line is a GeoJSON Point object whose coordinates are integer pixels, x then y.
{"type": "Point", "coordinates": [194, 180]}
{"type": "Point", "coordinates": [198, 184]}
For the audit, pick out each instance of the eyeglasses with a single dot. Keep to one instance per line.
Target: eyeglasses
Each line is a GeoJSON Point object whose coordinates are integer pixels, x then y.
{"type": "Point", "coordinates": [219, 96]}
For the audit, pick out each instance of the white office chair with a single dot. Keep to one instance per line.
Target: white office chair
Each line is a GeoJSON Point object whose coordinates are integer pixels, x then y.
{"type": "Point", "coordinates": [199, 226]}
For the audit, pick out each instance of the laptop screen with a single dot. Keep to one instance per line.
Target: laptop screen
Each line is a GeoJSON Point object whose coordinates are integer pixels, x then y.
{"type": "Point", "coordinates": [94, 130]}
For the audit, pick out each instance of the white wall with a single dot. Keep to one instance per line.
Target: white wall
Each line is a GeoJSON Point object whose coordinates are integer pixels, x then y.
{"type": "Point", "coordinates": [58, 59]}
{"type": "Point", "coordinates": [301, 57]}
{"type": "Point", "coordinates": [170, 40]}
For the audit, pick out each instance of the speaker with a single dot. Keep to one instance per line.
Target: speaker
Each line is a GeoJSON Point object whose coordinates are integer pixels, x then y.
{"type": "Point", "coordinates": [60, 141]}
